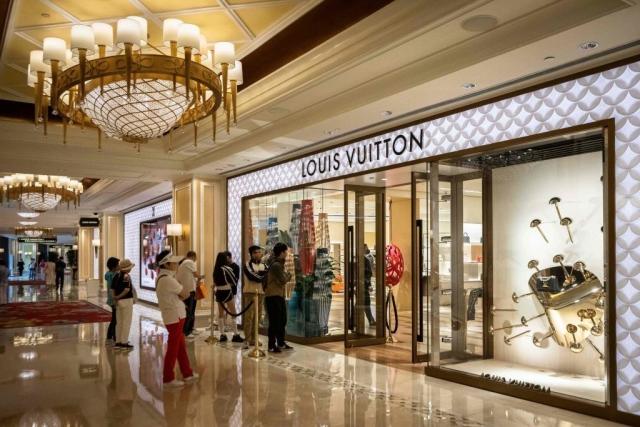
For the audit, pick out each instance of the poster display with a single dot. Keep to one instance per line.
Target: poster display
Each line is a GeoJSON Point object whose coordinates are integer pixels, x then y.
{"type": "Point", "coordinates": [153, 239]}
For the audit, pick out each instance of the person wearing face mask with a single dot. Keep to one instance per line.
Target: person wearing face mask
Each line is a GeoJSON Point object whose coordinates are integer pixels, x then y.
{"type": "Point", "coordinates": [171, 295]}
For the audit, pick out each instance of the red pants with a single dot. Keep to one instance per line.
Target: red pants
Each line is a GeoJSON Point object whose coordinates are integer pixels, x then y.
{"type": "Point", "coordinates": [176, 349]}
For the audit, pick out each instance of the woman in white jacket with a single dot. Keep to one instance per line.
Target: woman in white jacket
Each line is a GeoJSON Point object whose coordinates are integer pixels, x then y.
{"type": "Point", "coordinates": [170, 295]}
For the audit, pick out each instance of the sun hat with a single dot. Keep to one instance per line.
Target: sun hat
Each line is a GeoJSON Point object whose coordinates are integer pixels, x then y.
{"type": "Point", "coordinates": [166, 257]}
{"type": "Point", "coordinates": [126, 265]}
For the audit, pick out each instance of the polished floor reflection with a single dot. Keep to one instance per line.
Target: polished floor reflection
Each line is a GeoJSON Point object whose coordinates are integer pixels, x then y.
{"type": "Point", "coordinates": [64, 375]}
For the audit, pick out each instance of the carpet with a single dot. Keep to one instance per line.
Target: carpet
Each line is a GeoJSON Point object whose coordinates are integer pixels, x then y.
{"type": "Point", "coordinates": [50, 313]}
{"type": "Point", "coordinates": [27, 282]}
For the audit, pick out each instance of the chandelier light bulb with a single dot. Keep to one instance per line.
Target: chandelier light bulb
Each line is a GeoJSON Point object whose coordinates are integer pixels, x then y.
{"type": "Point", "coordinates": [103, 34]}
{"type": "Point", "coordinates": [170, 30]}
{"type": "Point", "coordinates": [83, 37]}
{"type": "Point", "coordinates": [128, 31]}
{"type": "Point", "coordinates": [224, 53]}
{"type": "Point", "coordinates": [54, 49]}
{"type": "Point", "coordinates": [189, 36]}
{"type": "Point", "coordinates": [36, 61]}
{"type": "Point", "coordinates": [235, 73]}
{"type": "Point", "coordinates": [143, 28]}
{"type": "Point", "coordinates": [26, 214]}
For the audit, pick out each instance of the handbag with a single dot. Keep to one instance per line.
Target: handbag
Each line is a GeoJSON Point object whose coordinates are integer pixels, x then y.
{"type": "Point", "coordinates": [201, 290]}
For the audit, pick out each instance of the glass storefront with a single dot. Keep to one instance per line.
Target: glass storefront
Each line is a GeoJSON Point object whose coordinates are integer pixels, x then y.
{"type": "Point", "coordinates": [496, 263]}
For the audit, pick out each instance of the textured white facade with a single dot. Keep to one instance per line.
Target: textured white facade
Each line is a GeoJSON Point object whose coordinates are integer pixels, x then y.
{"type": "Point", "coordinates": [612, 94]}
{"type": "Point", "coordinates": [132, 222]}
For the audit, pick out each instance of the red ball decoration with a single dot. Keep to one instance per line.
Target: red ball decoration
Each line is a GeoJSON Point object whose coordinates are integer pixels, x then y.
{"type": "Point", "coordinates": [394, 265]}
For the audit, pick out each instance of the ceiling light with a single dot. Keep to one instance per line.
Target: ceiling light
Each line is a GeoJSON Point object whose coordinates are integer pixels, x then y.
{"type": "Point", "coordinates": [589, 45]}
{"type": "Point", "coordinates": [33, 232]}
{"type": "Point", "coordinates": [387, 113]}
{"type": "Point", "coordinates": [28, 222]}
{"type": "Point", "coordinates": [549, 58]}
{"type": "Point", "coordinates": [331, 131]}
{"type": "Point", "coordinates": [134, 97]}
{"type": "Point", "coordinates": [383, 179]}
{"type": "Point", "coordinates": [469, 85]}
{"type": "Point", "coordinates": [25, 214]}
{"type": "Point", "coordinates": [45, 15]}
{"type": "Point", "coordinates": [479, 23]}
{"type": "Point", "coordinates": [40, 193]}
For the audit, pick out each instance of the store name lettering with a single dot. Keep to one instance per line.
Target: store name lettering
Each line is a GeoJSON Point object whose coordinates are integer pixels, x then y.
{"type": "Point", "coordinates": [369, 152]}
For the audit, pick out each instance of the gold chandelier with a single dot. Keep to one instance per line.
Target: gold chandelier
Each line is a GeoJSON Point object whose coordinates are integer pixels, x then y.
{"type": "Point", "coordinates": [33, 232]}
{"type": "Point", "coordinates": [40, 193]}
{"type": "Point", "coordinates": [131, 94]}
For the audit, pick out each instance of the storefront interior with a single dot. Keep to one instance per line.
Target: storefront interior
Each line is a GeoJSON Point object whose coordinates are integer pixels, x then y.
{"type": "Point", "coordinates": [499, 276]}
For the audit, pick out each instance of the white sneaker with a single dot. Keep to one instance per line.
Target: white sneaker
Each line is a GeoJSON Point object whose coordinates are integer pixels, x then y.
{"type": "Point", "coordinates": [173, 384]}
{"type": "Point", "coordinates": [192, 379]}
{"type": "Point", "coordinates": [190, 337]}
{"type": "Point", "coordinates": [195, 332]}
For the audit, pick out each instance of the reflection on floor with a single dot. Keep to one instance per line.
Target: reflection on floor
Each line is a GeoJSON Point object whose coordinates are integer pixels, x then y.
{"type": "Point", "coordinates": [573, 385]}
{"type": "Point", "coordinates": [64, 375]}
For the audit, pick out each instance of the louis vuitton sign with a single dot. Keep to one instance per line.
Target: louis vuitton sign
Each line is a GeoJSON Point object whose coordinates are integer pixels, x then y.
{"type": "Point", "coordinates": [367, 152]}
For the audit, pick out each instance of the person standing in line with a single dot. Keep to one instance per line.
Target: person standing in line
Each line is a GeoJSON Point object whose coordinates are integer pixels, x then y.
{"type": "Point", "coordinates": [123, 297]}
{"type": "Point", "coordinates": [20, 266]}
{"type": "Point", "coordinates": [254, 274]}
{"type": "Point", "coordinates": [188, 277]}
{"type": "Point", "coordinates": [170, 300]}
{"type": "Point", "coordinates": [226, 285]}
{"type": "Point", "coordinates": [4, 273]}
{"type": "Point", "coordinates": [32, 269]}
{"type": "Point", "coordinates": [277, 278]}
{"type": "Point", "coordinates": [112, 266]}
{"type": "Point", "coordinates": [60, 267]}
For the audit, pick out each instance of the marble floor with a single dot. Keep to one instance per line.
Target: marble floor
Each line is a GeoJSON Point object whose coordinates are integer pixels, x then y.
{"type": "Point", "coordinates": [65, 376]}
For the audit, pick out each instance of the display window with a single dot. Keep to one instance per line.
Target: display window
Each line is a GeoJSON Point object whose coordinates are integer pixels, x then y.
{"type": "Point", "coordinates": [518, 289]}
{"type": "Point", "coordinates": [311, 222]}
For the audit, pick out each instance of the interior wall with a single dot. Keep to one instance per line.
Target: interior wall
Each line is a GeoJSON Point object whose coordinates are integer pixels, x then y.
{"type": "Point", "coordinates": [400, 235]}
{"type": "Point", "coordinates": [85, 253]}
{"type": "Point", "coordinates": [132, 222]}
{"type": "Point", "coordinates": [520, 194]}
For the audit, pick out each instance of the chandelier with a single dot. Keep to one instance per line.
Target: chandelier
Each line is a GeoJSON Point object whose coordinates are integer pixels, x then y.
{"type": "Point", "coordinates": [34, 232]}
{"type": "Point", "coordinates": [28, 214]}
{"type": "Point", "coordinates": [40, 193]}
{"type": "Point", "coordinates": [131, 90]}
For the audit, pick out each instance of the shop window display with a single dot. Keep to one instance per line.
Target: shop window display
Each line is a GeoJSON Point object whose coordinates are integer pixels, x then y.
{"type": "Point", "coordinates": [534, 317]}
{"type": "Point", "coordinates": [310, 222]}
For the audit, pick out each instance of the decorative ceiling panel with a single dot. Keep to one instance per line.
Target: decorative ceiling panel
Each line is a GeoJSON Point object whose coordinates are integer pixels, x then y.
{"type": "Point", "coordinates": [247, 24]}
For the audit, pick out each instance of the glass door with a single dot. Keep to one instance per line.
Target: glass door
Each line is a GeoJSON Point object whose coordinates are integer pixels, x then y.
{"type": "Point", "coordinates": [364, 213]}
{"type": "Point", "coordinates": [420, 266]}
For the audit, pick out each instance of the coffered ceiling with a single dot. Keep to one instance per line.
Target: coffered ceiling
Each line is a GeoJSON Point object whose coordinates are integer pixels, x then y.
{"type": "Point", "coordinates": [408, 60]}
{"type": "Point", "coordinates": [246, 23]}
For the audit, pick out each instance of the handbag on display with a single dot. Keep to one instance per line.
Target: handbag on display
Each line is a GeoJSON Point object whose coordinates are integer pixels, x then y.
{"type": "Point", "coordinates": [201, 290]}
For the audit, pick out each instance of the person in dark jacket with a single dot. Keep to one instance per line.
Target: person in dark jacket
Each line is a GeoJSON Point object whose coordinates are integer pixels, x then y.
{"type": "Point", "coordinates": [60, 267]}
{"type": "Point", "coordinates": [277, 278]}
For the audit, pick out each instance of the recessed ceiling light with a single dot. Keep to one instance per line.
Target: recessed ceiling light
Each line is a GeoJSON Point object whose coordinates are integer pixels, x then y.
{"type": "Point", "coordinates": [383, 179]}
{"type": "Point", "coordinates": [479, 23]}
{"type": "Point", "coordinates": [549, 58]}
{"type": "Point", "coordinates": [331, 131]}
{"type": "Point", "coordinates": [45, 15]}
{"type": "Point", "coordinates": [28, 222]}
{"type": "Point", "coordinates": [469, 85]}
{"type": "Point", "coordinates": [589, 45]}
{"type": "Point", "coordinates": [386, 113]}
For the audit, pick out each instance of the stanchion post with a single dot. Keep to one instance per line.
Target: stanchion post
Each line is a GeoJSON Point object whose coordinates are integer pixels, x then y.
{"type": "Point", "coordinates": [256, 353]}
{"type": "Point", "coordinates": [211, 339]}
{"type": "Point", "coordinates": [388, 319]}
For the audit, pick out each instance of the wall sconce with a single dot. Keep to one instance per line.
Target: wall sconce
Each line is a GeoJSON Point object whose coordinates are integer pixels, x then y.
{"type": "Point", "coordinates": [74, 247]}
{"type": "Point", "coordinates": [96, 244]}
{"type": "Point", "coordinates": [175, 232]}
{"type": "Point", "coordinates": [1, 250]}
